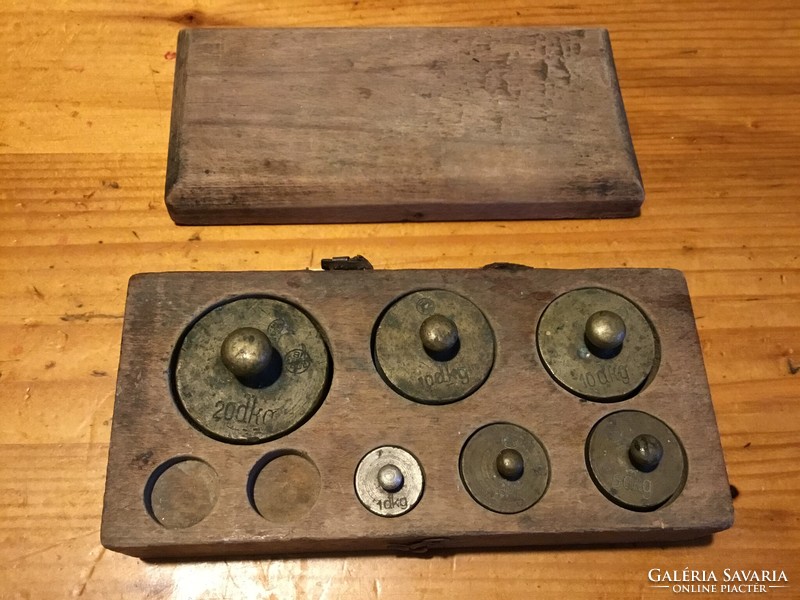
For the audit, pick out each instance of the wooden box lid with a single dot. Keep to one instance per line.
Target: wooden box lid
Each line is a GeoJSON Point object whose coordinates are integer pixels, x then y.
{"type": "Point", "coordinates": [414, 124]}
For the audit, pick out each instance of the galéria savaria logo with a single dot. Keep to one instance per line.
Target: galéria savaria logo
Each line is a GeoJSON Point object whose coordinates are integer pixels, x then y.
{"type": "Point", "coordinates": [727, 581]}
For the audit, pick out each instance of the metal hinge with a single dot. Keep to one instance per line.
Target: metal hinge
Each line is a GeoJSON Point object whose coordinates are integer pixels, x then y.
{"type": "Point", "coordinates": [346, 263]}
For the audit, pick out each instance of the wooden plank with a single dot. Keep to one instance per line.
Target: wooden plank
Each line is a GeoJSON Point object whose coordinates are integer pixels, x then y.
{"type": "Point", "coordinates": [361, 412]}
{"type": "Point", "coordinates": [414, 124]}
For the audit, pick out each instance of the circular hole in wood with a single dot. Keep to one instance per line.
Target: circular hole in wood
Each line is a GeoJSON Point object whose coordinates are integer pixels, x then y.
{"type": "Point", "coordinates": [182, 492]}
{"type": "Point", "coordinates": [286, 487]}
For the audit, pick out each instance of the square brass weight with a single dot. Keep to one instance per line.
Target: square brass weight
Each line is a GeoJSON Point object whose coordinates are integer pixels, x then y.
{"type": "Point", "coordinates": [308, 412]}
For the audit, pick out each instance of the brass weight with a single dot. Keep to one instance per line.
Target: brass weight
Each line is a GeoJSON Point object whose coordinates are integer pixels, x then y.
{"type": "Point", "coordinates": [635, 460]}
{"type": "Point", "coordinates": [504, 468]}
{"type": "Point", "coordinates": [597, 344]}
{"type": "Point", "coordinates": [433, 347]}
{"type": "Point", "coordinates": [389, 481]}
{"type": "Point", "coordinates": [251, 370]}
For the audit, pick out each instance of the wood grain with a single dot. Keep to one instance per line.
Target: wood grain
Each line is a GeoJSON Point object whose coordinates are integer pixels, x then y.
{"type": "Point", "coordinates": [361, 412]}
{"type": "Point", "coordinates": [711, 92]}
{"type": "Point", "coordinates": [344, 125]}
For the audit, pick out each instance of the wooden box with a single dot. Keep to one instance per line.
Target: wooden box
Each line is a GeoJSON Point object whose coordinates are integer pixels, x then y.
{"type": "Point", "coordinates": [361, 412]}
{"type": "Point", "coordinates": [412, 124]}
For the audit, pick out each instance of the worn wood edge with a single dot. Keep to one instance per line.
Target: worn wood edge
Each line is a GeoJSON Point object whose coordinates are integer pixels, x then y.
{"type": "Point", "coordinates": [716, 437]}
{"type": "Point", "coordinates": [176, 121]}
{"type": "Point", "coordinates": [509, 268]}
{"type": "Point", "coordinates": [726, 520]}
{"type": "Point", "coordinates": [407, 546]}
{"type": "Point", "coordinates": [622, 117]}
{"type": "Point", "coordinates": [217, 211]}
{"type": "Point", "coordinates": [107, 533]}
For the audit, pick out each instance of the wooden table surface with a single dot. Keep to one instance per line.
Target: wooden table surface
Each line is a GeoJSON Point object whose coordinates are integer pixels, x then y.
{"type": "Point", "coordinates": [712, 91]}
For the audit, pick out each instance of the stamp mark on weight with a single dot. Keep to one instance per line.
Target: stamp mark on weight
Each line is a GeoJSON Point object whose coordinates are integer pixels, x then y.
{"type": "Point", "coordinates": [298, 360]}
{"type": "Point", "coordinates": [425, 306]}
{"type": "Point", "coordinates": [445, 375]}
{"type": "Point", "coordinates": [392, 502]}
{"type": "Point", "coordinates": [631, 482]}
{"type": "Point", "coordinates": [246, 413]}
{"type": "Point", "coordinates": [277, 329]}
{"type": "Point", "coordinates": [605, 376]}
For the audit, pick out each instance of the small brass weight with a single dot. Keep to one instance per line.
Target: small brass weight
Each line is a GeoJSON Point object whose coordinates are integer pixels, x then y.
{"type": "Point", "coordinates": [635, 460]}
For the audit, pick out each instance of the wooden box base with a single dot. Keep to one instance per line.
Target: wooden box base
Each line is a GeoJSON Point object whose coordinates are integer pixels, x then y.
{"type": "Point", "coordinates": [361, 412]}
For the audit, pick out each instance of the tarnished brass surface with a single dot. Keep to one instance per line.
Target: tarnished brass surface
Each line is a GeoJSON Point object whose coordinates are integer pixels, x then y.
{"type": "Point", "coordinates": [389, 481]}
{"type": "Point", "coordinates": [434, 347]}
{"type": "Point", "coordinates": [605, 332]}
{"type": "Point", "coordinates": [291, 383]}
{"type": "Point", "coordinates": [597, 344]}
{"type": "Point", "coordinates": [504, 468]}
{"type": "Point", "coordinates": [247, 353]}
{"type": "Point", "coordinates": [636, 460]}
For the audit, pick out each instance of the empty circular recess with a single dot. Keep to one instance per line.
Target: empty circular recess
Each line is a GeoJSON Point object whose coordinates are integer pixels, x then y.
{"type": "Point", "coordinates": [286, 488]}
{"type": "Point", "coordinates": [182, 492]}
